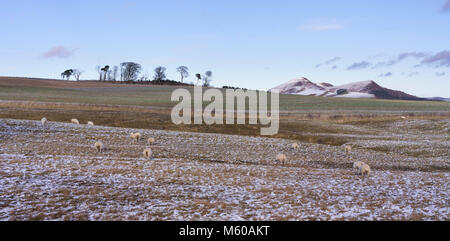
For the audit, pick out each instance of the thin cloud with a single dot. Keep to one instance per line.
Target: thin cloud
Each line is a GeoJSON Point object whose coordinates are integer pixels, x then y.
{"type": "Point", "coordinates": [58, 52]}
{"type": "Point", "coordinates": [360, 65]}
{"type": "Point", "coordinates": [385, 64]}
{"type": "Point", "coordinates": [417, 55]}
{"type": "Point", "coordinates": [328, 62]}
{"type": "Point", "coordinates": [441, 59]}
{"type": "Point", "coordinates": [440, 73]}
{"type": "Point", "coordinates": [388, 74]}
{"type": "Point", "coordinates": [446, 6]}
{"type": "Point", "coordinates": [412, 74]}
{"type": "Point", "coordinates": [322, 26]}
{"type": "Point", "coordinates": [399, 58]}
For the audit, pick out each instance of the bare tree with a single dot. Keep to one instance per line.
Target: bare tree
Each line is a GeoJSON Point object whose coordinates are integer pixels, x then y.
{"type": "Point", "coordinates": [105, 72]}
{"type": "Point", "coordinates": [130, 71]}
{"type": "Point", "coordinates": [77, 73]}
{"type": "Point", "coordinates": [199, 77]}
{"type": "Point", "coordinates": [160, 73]}
{"type": "Point", "coordinates": [115, 72]}
{"type": "Point", "coordinates": [100, 71]}
{"type": "Point", "coordinates": [67, 74]}
{"type": "Point", "coordinates": [109, 74]}
{"type": "Point", "coordinates": [183, 71]}
{"type": "Point", "coordinates": [144, 78]}
{"type": "Point", "coordinates": [207, 78]}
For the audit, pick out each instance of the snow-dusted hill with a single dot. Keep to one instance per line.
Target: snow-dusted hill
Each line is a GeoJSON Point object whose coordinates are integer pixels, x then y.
{"type": "Point", "coordinates": [362, 89]}
{"type": "Point", "coordinates": [440, 99]}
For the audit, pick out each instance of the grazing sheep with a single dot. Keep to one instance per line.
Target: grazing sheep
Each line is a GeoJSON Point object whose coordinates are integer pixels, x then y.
{"type": "Point", "coordinates": [99, 146]}
{"type": "Point", "coordinates": [147, 153]}
{"type": "Point", "coordinates": [403, 117]}
{"type": "Point", "coordinates": [282, 158]}
{"type": "Point", "coordinates": [44, 121]}
{"type": "Point", "coordinates": [151, 141]}
{"type": "Point", "coordinates": [90, 123]}
{"type": "Point", "coordinates": [357, 165]}
{"type": "Point", "coordinates": [295, 146]}
{"type": "Point", "coordinates": [135, 136]}
{"type": "Point", "coordinates": [365, 170]}
{"type": "Point", "coordinates": [348, 148]}
{"type": "Point", "coordinates": [75, 121]}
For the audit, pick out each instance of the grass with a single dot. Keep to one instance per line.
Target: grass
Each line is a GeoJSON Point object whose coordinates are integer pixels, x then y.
{"type": "Point", "coordinates": [92, 92]}
{"type": "Point", "coordinates": [194, 177]}
{"type": "Point", "coordinates": [303, 118]}
{"type": "Point", "coordinates": [160, 96]}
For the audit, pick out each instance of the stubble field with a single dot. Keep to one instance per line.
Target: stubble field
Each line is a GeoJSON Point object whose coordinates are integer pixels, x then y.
{"type": "Point", "coordinates": [218, 172]}
{"type": "Point", "coordinates": [54, 173]}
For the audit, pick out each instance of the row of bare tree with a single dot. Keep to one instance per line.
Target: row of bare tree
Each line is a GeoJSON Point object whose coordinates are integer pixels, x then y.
{"type": "Point", "coordinates": [129, 72]}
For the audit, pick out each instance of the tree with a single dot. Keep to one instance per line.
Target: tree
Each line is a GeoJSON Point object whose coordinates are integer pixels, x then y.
{"type": "Point", "coordinates": [115, 72]}
{"type": "Point", "coordinates": [199, 77]}
{"type": "Point", "coordinates": [207, 78]}
{"type": "Point", "coordinates": [67, 74]}
{"type": "Point", "coordinates": [100, 72]}
{"type": "Point", "coordinates": [184, 72]}
{"type": "Point", "coordinates": [105, 70]}
{"type": "Point", "coordinates": [144, 78]}
{"type": "Point", "coordinates": [130, 71]}
{"type": "Point", "coordinates": [77, 73]}
{"type": "Point", "coordinates": [160, 73]}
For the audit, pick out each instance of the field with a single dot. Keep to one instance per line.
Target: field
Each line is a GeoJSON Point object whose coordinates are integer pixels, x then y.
{"type": "Point", "coordinates": [303, 118]}
{"type": "Point", "coordinates": [216, 172]}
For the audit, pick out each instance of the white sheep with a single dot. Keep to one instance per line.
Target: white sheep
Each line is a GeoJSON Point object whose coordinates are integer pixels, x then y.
{"type": "Point", "coordinates": [99, 146]}
{"type": "Point", "coordinates": [151, 141]}
{"type": "Point", "coordinates": [44, 121]}
{"type": "Point", "coordinates": [90, 123]}
{"type": "Point", "coordinates": [403, 117]}
{"type": "Point", "coordinates": [147, 153]}
{"type": "Point", "coordinates": [348, 148]}
{"type": "Point", "coordinates": [75, 121]}
{"type": "Point", "coordinates": [357, 165]}
{"type": "Point", "coordinates": [135, 136]}
{"type": "Point", "coordinates": [282, 158]}
{"type": "Point", "coordinates": [295, 146]}
{"type": "Point", "coordinates": [365, 170]}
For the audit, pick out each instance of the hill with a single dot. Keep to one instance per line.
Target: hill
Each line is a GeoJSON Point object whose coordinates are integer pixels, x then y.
{"type": "Point", "coordinates": [362, 89]}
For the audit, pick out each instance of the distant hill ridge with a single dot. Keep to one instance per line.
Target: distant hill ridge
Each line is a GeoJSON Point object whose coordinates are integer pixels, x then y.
{"type": "Point", "coordinates": [362, 89]}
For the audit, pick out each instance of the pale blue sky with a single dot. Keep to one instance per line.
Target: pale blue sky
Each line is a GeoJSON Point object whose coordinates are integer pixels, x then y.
{"type": "Point", "coordinates": [402, 44]}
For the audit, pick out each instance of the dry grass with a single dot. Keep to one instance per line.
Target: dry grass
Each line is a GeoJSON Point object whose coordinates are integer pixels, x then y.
{"type": "Point", "coordinates": [292, 126]}
{"type": "Point", "coordinates": [53, 173]}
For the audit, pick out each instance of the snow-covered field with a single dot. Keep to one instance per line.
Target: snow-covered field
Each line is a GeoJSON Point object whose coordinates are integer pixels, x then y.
{"type": "Point", "coordinates": [54, 173]}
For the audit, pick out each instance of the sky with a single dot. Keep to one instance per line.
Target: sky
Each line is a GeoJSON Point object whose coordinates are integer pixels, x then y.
{"type": "Point", "coordinates": [402, 44]}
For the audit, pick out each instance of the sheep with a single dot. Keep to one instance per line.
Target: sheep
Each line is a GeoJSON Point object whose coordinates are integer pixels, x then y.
{"type": "Point", "coordinates": [357, 165]}
{"type": "Point", "coordinates": [403, 117]}
{"type": "Point", "coordinates": [90, 123]}
{"type": "Point", "coordinates": [151, 141]}
{"type": "Point", "coordinates": [136, 136]}
{"type": "Point", "coordinates": [348, 148]}
{"type": "Point", "coordinates": [147, 153]}
{"type": "Point", "coordinates": [364, 170]}
{"type": "Point", "coordinates": [282, 158]}
{"type": "Point", "coordinates": [99, 146]}
{"type": "Point", "coordinates": [295, 146]}
{"type": "Point", "coordinates": [75, 121]}
{"type": "Point", "coordinates": [44, 121]}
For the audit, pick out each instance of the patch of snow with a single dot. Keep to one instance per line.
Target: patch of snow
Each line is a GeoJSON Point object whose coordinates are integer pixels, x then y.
{"type": "Point", "coordinates": [356, 95]}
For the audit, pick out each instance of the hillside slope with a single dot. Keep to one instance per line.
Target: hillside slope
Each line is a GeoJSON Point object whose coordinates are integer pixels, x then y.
{"type": "Point", "coordinates": [362, 89]}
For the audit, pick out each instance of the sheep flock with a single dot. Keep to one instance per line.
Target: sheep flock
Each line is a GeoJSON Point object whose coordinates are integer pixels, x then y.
{"type": "Point", "coordinates": [62, 171]}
